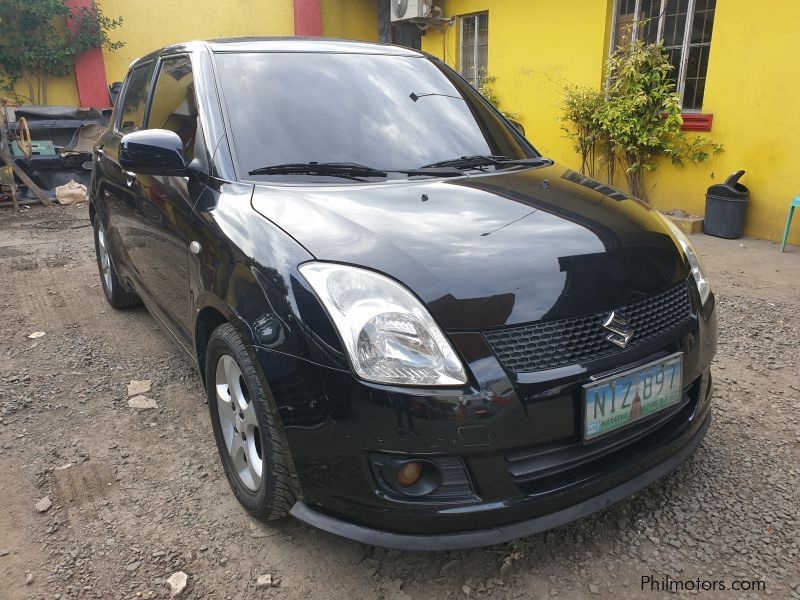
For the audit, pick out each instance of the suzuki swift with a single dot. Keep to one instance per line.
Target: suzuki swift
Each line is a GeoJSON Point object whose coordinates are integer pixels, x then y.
{"type": "Point", "coordinates": [413, 329]}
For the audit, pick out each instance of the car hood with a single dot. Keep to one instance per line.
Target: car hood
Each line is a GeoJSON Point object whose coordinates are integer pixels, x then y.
{"type": "Point", "coordinates": [490, 250]}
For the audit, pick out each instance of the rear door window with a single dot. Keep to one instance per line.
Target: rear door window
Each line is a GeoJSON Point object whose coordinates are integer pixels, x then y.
{"type": "Point", "coordinates": [135, 102]}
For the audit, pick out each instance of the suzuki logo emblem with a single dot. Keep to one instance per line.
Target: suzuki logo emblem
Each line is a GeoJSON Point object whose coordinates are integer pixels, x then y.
{"type": "Point", "coordinates": [620, 334]}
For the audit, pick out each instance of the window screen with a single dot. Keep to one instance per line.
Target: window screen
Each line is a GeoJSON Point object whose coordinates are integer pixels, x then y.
{"type": "Point", "coordinates": [684, 27]}
{"type": "Point", "coordinates": [474, 47]}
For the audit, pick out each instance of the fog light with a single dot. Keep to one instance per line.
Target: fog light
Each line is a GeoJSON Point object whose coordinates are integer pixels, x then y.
{"type": "Point", "coordinates": [409, 473]}
{"type": "Point", "coordinates": [405, 478]}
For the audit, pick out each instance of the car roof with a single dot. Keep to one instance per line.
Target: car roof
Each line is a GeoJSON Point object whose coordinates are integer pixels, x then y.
{"type": "Point", "coordinates": [306, 44]}
{"type": "Point", "coordinates": [282, 44]}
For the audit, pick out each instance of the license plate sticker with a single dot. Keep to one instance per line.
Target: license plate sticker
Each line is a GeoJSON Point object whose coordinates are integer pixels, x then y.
{"type": "Point", "coordinates": [625, 398]}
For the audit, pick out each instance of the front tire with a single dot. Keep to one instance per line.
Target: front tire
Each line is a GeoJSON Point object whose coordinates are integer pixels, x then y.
{"type": "Point", "coordinates": [115, 293]}
{"type": "Point", "coordinates": [247, 429]}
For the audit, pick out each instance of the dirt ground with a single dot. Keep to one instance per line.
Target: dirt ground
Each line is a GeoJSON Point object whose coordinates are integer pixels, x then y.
{"type": "Point", "coordinates": [139, 495]}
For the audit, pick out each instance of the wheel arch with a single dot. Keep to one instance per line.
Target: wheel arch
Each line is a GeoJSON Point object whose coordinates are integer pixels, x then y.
{"type": "Point", "coordinates": [211, 313]}
{"type": "Point", "coordinates": [208, 319]}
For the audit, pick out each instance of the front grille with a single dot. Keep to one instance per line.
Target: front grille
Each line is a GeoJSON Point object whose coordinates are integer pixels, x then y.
{"type": "Point", "coordinates": [577, 340]}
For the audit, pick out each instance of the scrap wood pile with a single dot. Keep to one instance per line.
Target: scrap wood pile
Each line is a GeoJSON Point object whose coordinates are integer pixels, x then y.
{"type": "Point", "coordinates": [46, 153]}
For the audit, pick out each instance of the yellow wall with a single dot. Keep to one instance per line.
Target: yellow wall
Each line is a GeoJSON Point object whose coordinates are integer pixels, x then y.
{"type": "Point", "coordinates": [537, 46]}
{"type": "Point", "coordinates": [60, 90]}
{"type": "Point", "coordinates": [750, 90]}
{"type": "Point", "coordinates": [350, 19]}
{"type": "Point", "coordinates": [184, 20]}
{"type": "Point", "coordinates": [151, 24]}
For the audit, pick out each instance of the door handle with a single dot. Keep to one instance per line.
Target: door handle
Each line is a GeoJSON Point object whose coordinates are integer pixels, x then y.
{"type": "Point", "coordinates": [194, 247]}
{"type": "Point", "coordinates": [130, 178]}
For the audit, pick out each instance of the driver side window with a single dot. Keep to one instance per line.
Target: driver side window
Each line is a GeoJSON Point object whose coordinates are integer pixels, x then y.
{"type": "Point", "coordinates": [174, 106]}
{"type": "Point", "coordinates": [135, 102]}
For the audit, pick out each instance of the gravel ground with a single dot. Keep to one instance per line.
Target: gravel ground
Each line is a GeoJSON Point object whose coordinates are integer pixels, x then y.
{"type": "Point", "coordinates": [139, 495]}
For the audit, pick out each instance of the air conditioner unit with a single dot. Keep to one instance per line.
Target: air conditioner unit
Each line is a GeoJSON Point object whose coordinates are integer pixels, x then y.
{"type": "Point", "coordinates": [405, 10]}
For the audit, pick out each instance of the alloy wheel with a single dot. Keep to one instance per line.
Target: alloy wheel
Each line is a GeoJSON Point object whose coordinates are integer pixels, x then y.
{"type": "Point", "coordinates": [237, 417]}
{"type": "Point", "coordinates": [105, 259]}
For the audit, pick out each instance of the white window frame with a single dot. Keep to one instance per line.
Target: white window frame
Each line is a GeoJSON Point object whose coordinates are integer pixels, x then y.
{"type": "Point", "coordinates": [687, 37]}
{"type": "Point", "coordinates": [475, 71]}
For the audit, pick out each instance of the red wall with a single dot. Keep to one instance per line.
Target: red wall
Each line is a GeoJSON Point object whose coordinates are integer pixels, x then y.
{"type": "Point", "coordinates": [307, 19]}
{"type": "Point", "coordinates": [90, 70]}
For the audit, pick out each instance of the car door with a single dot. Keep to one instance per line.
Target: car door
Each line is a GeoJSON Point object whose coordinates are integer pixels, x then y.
{"type": "Point", "coordinates": [116, 186]}
{"type": "Point", "coordinates": [161, 228]}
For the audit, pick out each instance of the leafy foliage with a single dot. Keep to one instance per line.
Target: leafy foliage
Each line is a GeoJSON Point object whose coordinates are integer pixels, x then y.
{"type": "Point", "coordinates": [635, 122]}
{"type": "Point", "coordinates": [36, 42]}
{"type": "Point", "coordinates": [582, 108]}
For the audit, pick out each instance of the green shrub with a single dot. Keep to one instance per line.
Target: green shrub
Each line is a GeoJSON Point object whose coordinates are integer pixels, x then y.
{"type": "Point", "coordinates": [634, 122]}
{"type": "Point", "coordinates": [35, 43]}
{"type": "Point", "coordinates": [581, 107]}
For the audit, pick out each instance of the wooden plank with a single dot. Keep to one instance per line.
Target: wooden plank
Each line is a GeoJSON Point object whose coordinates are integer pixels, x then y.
{"type": "Point", "coordinates": [5, 156]}
{"type": "Point", "coordinates": [8, 159]}
{"type": "Point", "coordinates": [29, 182]}
{"type": "Point", "coordinates": [55, 124]}
{"type": "Point", "coordinates": [19, 203]}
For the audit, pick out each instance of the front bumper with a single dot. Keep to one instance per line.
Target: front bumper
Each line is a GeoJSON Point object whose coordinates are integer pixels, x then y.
{"type": "Point", "coordinates": [499, 534]}
{"type": "Point", "coordinates": [519, 439]}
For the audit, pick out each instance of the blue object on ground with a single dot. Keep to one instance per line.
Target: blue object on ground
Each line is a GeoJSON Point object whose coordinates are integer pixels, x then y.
{"type": "Point", "coordinates": [795, 204]}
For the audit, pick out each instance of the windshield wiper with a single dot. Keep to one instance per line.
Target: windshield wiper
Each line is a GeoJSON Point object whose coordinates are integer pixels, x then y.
{"type": "Point", "coordinates": [432, 171]}
{"type": "Point", "coordinates": [333, 169]}
{"type": "Point", "coordinates": [478, 160]}
{"type": "Point", "coordinates": [348, 170]}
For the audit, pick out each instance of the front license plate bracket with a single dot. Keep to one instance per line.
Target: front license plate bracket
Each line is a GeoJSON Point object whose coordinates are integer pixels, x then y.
{"type": "Point", "coordinates": [625, 398]}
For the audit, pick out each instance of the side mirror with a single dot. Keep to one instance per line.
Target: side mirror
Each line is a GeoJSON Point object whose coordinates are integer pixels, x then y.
{"type": "Point", "coordinates": [153, 152]}
{"type": "Point", "coordinates": [113, 91]}
{"type": "Point", "coordinates": [518, 126]}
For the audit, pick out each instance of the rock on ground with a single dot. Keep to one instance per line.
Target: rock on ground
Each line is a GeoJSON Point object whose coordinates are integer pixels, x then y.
{"type": "Point", "coordinates": [177, 583]}
{"type": "Point", "coordinates": [142, 403]}
{"type": "Point", "coordinates": [264, 581]}
{"type": "Point", "coordinates": [43, 505]}
{"type": "Point", "coordinates": [139, 386]}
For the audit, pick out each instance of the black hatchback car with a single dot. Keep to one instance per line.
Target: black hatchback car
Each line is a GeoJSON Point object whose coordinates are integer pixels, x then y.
{"type": "Point", "coordinates": [414, 330]}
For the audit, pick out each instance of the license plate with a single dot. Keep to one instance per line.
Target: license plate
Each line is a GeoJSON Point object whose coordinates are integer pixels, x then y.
{"type": "Point", "coordinates": [623, 399]}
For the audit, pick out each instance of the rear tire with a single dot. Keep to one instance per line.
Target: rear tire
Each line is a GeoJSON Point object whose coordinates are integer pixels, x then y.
{"type": "Point", "coordinates": [115, 293]}
{"type": "Point", "coordinates": [247, 429]}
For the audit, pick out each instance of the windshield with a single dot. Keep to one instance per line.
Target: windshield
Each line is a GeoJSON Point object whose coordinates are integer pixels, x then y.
{"type": "Point", "coordinates": [386, 113]}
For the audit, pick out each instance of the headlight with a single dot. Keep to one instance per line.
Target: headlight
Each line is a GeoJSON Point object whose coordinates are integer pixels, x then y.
{"type": "Point", "coordinates": [698, 272]}
{"type": "Point", "coordinates": [389, 335]}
